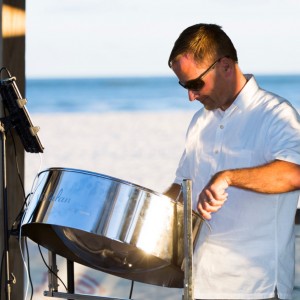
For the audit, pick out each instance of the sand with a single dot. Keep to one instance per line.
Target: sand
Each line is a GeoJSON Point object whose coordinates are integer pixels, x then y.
{"type": "Point", "coordinates": [142, 148]}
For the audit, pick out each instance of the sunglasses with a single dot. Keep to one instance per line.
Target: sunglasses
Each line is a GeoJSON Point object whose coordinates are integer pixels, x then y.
{"type": "Point", "coordinates": [197, 83]}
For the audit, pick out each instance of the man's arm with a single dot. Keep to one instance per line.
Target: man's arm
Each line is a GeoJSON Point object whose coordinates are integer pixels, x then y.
{"type": "Point", "coordinates": [273, 178]}
{"type": "Point", "coordinates": [173, 192]}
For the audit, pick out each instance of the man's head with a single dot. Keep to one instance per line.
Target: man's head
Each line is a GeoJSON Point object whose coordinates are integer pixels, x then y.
{"type": "Point", "coordinates": [205, 42]}
{"type": "Point", "coordinates": [205, 62]}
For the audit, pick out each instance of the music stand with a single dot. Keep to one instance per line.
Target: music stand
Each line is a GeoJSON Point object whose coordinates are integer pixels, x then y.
{"type": "Point", "coordinates": [15, 116]}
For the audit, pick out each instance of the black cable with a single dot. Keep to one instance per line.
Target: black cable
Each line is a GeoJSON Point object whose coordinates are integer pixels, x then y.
{"type": "Point", "coordinates": [5, 69]}
{"type": "Point", "coordinates": [16, 226]}
{"type": "Point", "coordinates": [17, 222]}
{"type": "Point", "coordinates": [20, 214]}
{"type": "Point", "coordinates": [28, 265]}
{"type": "Point", "coordinates": [19, 177]}
{"type": "Point", "coordinates": [22, 186]}
{"type": "Point", "coordinates": [51, 269]}
{"type": "Point", "coordinates": [131, 289]}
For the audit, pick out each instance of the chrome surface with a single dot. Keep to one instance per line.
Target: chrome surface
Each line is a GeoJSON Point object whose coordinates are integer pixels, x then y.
{"type": "Point", "coordinates": [110, 225]}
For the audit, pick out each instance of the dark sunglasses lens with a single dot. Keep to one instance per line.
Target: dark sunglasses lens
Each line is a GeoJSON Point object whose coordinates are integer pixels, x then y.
{"type": "Point", "coordinates": [195, 85]}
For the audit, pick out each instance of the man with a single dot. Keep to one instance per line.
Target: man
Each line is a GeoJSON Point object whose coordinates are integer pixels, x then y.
{"type": "Point", "coordinates": [242, 154]}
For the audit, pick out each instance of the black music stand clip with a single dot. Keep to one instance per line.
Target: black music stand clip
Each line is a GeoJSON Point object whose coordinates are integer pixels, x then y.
{"type": "Point", "coordinates": [18, 116]}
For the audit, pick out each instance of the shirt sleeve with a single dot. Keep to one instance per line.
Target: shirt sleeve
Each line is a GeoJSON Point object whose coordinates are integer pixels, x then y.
{"type": "Point", "coordinates": [283, 142]}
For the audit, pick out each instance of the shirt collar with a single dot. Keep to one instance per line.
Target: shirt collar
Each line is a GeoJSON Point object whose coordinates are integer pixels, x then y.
{"type": "Point", "coordinates": [245, 97]}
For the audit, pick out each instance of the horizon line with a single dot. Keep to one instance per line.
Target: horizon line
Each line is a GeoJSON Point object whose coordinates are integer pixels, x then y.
{"type": "Point", "coordinates": [129, 76]}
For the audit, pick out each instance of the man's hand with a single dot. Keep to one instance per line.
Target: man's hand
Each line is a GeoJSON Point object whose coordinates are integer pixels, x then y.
{"type": "Point", "coordinates": [213, 196]}
{"type": "Point", "coordinates": [272, 178]}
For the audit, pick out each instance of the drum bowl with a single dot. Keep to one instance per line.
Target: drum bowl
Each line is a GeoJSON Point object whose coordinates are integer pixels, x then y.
{"type": "Point", "coordinates": [110, 225]}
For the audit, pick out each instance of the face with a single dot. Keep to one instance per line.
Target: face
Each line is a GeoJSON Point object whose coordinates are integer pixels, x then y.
{"type": "Point", "coordinates": [213, 93]}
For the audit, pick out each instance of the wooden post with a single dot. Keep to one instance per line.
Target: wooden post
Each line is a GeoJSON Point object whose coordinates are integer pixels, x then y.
{"type": "Point", "coordinates": [12, 56]}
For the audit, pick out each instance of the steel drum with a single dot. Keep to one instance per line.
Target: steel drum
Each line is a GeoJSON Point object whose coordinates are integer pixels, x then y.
{"type": "Point", "coordinates": [110, 225]}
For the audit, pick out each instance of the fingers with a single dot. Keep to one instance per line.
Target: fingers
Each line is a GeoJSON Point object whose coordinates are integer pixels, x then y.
{"type": "Point", "coordinates": [208, 204]}
{"type": "Point", "coordinates": [212, 205]}
{"type": "Point", "coordinates": [216, 194]}
{"type": "Point", "coordinates": [210, 196]}
{"type": "Point", "coordinates": [207, 207]}
{"type": "Point", "coordinates": [204, 210]}
{"type": "Point", "coordinates": [213, 196]}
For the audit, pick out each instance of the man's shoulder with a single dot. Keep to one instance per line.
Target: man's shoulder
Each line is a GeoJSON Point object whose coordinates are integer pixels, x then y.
{"type": "Point", "coordinates": [273, 102]}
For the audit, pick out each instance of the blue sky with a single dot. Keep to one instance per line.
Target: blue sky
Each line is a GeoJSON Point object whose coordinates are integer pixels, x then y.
{"type": "Point", "coordinates": [88, 38]}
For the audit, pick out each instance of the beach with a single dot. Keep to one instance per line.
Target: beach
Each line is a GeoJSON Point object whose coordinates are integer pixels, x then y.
{"type": "Point", "coordinates": [140, 147]}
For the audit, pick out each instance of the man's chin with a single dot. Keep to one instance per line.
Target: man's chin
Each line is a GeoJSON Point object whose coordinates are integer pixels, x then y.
{"type": "Point", "coordinates": [208, 107]}
{"type": "Point", "coordinates": [207, 104]}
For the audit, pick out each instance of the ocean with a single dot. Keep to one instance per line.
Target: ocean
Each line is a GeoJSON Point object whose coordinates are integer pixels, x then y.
{"type": "Point", "coordinates": [131, 93]}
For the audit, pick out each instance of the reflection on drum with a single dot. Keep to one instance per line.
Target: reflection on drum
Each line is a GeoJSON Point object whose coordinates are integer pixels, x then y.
{"type": "Point", "coordinates": [110, 225]}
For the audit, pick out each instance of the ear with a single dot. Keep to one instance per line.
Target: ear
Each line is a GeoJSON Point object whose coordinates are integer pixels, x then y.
{"type": "Point", "coordinates": [227, 65]}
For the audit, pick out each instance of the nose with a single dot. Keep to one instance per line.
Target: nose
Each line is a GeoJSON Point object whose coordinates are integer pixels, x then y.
{"type": "Point", "coordinates": [192, 95]}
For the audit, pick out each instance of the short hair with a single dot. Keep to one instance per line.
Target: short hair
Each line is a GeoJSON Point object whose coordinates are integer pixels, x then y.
{"type": "Point", "coordinates": [203, 41]}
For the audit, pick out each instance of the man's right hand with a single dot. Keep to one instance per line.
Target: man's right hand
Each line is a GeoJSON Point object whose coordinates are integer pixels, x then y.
{"type": "Point", "coordinates": [213, 196]}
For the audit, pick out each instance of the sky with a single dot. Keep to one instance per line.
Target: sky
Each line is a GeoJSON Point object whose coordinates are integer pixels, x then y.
{"type": "Point", "coordinates": [98, 38]}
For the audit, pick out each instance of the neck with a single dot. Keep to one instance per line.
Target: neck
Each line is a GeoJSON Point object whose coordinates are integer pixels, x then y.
{"type": "Point", "coordinates": [238, 83]}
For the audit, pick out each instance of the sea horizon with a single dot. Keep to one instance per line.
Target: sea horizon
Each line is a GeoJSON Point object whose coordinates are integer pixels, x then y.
{"type": "Point", "coordinates": [132, 93]}
{"type": "Point", "coordinates": [171, 75]}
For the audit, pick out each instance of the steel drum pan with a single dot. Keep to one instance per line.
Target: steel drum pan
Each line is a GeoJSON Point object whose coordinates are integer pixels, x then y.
{"type": "Point", "coordinates": [110, 225]}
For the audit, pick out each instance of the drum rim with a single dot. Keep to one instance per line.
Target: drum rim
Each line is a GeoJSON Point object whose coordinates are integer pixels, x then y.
{"type": "Point", "coordinates": [106, 177]}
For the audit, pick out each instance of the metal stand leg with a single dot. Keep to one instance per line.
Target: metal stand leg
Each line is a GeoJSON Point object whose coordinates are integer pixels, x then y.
{"type": "Point", "coordinates": [52, 275]}
{"type": "Point", "coordinates": [188, 240]}
{"type": "Point", "coordinates": [53, 283]}
{"type": "Point", "coordinates": [70, 279]}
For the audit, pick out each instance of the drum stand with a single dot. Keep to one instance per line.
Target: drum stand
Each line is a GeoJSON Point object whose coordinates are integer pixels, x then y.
{"type": "Point", "coordinates": [188, 260]}
{"type": "Point", "coordinates": [188, 240]}
{"type": "Point", "coordinates": [53, 283]}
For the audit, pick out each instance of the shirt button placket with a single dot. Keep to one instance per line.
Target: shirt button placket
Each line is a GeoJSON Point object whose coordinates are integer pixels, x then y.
{"type": "Point", "coordinates": [219, 139]}
{"type": "Point", "coordinates": [217, 148]}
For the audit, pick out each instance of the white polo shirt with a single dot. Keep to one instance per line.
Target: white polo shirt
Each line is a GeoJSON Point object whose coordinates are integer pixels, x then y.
{"type": "Point", "coordinates": [248, 251]}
